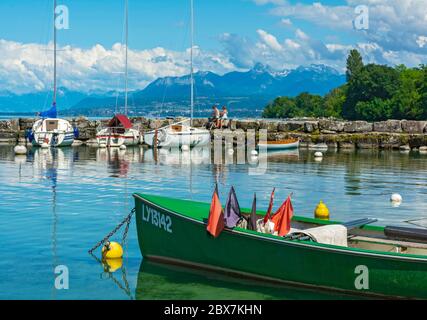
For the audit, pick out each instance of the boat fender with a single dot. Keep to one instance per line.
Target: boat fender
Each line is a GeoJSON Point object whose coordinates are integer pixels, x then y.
{"type": "Point", "coordinates": [321, 211]}
{"type": "Point", "coordinates": [112, 250]}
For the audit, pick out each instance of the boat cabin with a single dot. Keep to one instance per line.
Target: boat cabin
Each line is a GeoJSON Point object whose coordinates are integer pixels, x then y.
{"type": "Point", "coordinates": [119, 124]}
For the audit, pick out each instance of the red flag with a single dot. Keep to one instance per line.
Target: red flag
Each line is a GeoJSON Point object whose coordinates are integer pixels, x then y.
{"type": "Point", "coordinates": [282, 218]}
{"type": "Point", "coordinates": [216, 216]}
{"type": "Point", "coordinates": [270, 207]}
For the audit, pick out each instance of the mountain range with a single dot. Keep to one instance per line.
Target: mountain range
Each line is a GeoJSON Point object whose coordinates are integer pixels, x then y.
{"type": "Point", "coordinates": [245, 93]}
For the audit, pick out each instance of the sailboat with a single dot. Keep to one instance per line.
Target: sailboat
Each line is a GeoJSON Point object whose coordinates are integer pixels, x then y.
{"type": "Point", "coordinates": [49, 130]}
{"type": "Point", "coordinates": [119, 130]}
{"type": "Point", "coordinates": [182, 133]}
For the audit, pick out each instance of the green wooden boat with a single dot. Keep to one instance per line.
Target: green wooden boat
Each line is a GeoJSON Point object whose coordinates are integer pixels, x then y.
{"type": "Point", "coordinates": [174, 231]}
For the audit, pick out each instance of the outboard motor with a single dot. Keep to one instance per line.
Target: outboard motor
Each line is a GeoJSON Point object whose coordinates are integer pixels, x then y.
{"type": "Point", "coordinates": [76, 132]}
{"type": "Point", "coordinates": [29, 134]}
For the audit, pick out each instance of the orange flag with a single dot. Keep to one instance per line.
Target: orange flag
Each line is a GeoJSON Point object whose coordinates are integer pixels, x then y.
{"type": "Point", "coordinates": [270, 207]}
{"type": "Point", "coordinates": [282, 218]}
{"type": "Point", "coordinates": [216, 216]}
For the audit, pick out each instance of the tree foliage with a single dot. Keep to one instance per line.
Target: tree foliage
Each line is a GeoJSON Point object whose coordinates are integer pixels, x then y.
{"type": "Point", "coordinates": [372, 92]}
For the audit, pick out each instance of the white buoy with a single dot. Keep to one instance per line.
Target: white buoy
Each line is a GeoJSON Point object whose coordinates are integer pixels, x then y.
{"type": "Point", "coordinates": [122, 147]}
{"type": "Point", "coordinates": [254, 153]}
{"type": "Point", "coordinates": [396, 198]}
{"type": "Point", "coordinates": [44, 145]}
{"type": "Point", "coordinates": [102, 146]}
{"type": "Point", "coordinates": [254, 159]}
{"type": "Point", "coordinates": [185, 148]}
{"type": "Point", "coordinates": [318, 154]}
{"type": "Point", "coordinates": [20, 150]}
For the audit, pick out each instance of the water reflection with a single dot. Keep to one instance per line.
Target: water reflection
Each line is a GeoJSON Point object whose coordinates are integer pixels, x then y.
{"type": "Point", "coordinates": [166, 282]}
{"type": "Point", "coordinates": [59, 202]}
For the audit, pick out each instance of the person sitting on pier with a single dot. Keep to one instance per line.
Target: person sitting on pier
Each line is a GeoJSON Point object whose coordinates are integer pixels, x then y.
{"type": "Point", "coordinates": [224, 117]}
{"type": "Point", "coordinates": [214, 121]}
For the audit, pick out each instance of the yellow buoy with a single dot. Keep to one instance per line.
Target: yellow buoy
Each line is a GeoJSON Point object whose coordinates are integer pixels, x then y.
{"type": "Point", "coordinates": [112, 265]}
{"type": "Point", "coordinates": [322, 211]}
{"type": "Point", "coordinates": [112, 250]}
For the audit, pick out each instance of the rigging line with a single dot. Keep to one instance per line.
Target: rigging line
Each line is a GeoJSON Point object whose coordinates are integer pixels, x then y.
{"type": "Point", "coordinates": [183, 47]}
{"type": "Point", "coordinates": [55, 31]}
{"type": "Point", "coordinates": [126, 54]}
{"type": "Point", "coordinates": [191, 63]}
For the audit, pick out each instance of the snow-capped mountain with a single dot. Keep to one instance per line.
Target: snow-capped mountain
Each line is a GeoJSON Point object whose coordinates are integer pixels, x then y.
{"type": "Point", "coordinates": [250, 89]}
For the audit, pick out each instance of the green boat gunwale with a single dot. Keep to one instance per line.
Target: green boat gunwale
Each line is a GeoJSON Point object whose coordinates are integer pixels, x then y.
{"type": "Point", "coordinates": [272, 238]}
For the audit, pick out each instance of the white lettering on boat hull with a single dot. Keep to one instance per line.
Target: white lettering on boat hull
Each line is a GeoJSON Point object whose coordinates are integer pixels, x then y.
{"type": "Point", "coordinates": [160, 220]}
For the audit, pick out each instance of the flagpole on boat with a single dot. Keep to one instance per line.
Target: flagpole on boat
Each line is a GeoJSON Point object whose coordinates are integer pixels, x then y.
{"type": "Point", "coordinates": [191, 63]}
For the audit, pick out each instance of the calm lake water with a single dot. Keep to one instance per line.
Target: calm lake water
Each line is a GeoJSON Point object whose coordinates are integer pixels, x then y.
{"type": "Point", "coordinates": [56, 204]}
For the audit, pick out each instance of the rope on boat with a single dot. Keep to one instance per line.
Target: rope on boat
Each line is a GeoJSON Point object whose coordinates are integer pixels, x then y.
{"type": "Point", "coordinates": [126, 221]}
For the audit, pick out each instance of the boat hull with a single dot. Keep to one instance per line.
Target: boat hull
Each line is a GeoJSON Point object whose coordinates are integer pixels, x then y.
{"type": "Point", "coordinates": [280, 146]}
{"type": "Point", "coordinates": [177, 140]}
{"type": "Point", "coordinates": [130, 137]}
{"type": "Point", "coordinates": [167, 236]}
{"type": "Point", "coordinates": [53, 132]}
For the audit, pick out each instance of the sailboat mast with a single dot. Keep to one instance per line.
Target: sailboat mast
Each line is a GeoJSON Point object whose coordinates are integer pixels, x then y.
{"type": "Point", "coordinates": [54, 52]}
{"type": "Point", "coordinates": [191, 63]}
{"type": "Point", "coordinates": [126, 58]}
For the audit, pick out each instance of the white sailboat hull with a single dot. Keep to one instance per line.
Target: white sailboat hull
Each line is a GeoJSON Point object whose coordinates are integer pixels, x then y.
{"type": "Point", "coordinates": [53, 132]}
{"type": "Point", "coordinates": [167, 138]}
{"type": "Point", "coordinates": [130, 137]}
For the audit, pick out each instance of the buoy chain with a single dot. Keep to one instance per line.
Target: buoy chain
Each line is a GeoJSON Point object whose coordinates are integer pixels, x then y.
{"type": "Point", "coordinates": [127, 220]}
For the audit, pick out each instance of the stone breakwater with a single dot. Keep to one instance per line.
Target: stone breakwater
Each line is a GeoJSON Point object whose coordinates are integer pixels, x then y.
{"type": "Point", "coordinates": [390, 134]}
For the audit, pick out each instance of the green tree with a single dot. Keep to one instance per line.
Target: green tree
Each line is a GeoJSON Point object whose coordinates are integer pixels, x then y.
{"type": "Point", "coordinates": [423, 91]}
{"type": "Point", "coordinates": [334, 101]}
{"type": "Point", "coordinates": [407, 100]}
{"type": "Point", "coordinates": [308, 105]}
{"type": "Point", "coordinates": [375, 110]}
{"type": "Point", "coordinates": [354, 64]}
{"type": "Point", "coordinates": [372, 83]}
{"type": "Point", "coordinates": [282, 107]}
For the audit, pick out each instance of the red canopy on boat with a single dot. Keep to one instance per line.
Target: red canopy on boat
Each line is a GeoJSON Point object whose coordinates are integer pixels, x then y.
{"type": "Point", "coordinates": [120, 119]}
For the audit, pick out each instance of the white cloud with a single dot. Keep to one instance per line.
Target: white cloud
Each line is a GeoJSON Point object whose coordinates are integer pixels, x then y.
{"type": "Point", "coordinates": [269, 40]}
{"type": "Point", "coordinates": [422, 41]}
{"type": "Point", "coordinates": [286, 22]}
{"type": "Point", "coordinates": [28, 67]}
{"type": "Point", "coordinates": [395, 25]}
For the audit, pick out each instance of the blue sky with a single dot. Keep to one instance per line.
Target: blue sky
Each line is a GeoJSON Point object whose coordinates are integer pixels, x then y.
{"type": "Point", "coordinates": [152, 23]}
{"type": "Point", "coordinates": [230, 35]}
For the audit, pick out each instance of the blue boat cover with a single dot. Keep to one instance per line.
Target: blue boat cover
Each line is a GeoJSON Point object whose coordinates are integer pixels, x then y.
{"type": "Point", "coordinates": [51, 113]}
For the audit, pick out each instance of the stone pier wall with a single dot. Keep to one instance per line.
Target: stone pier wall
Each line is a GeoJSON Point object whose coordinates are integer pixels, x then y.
{"type": "Point", "coordinates": [391, 134]}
